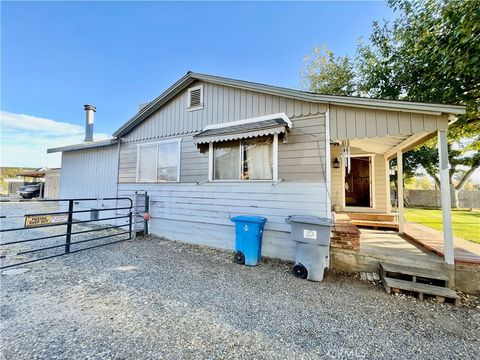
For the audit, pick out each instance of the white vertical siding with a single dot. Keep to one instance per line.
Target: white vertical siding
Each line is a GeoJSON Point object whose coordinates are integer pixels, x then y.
{"type": "Point", "coordinates": [91, 173]}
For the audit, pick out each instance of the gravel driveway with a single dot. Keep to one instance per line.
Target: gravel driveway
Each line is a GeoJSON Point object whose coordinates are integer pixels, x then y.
{"type": "Point", "coordinates": [156, 299]}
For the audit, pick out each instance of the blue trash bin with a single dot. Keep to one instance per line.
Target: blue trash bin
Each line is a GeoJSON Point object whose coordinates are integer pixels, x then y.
{"type": "Point", "coordinates": [248, 239]}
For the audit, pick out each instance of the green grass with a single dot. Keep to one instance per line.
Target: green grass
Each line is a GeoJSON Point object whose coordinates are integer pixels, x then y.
{"type": "Point", "coordinates": [466, 224]}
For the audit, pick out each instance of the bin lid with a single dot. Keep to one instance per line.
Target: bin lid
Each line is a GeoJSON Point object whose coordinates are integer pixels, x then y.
{"type": "Point", "coordinates": [250, 219]}
{"type": "Point", "coordinates": [309, 219]}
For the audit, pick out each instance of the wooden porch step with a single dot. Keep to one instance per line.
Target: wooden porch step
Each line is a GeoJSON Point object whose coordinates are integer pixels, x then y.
{"type": "Point", "coordinates": [413, 271]}
{"type": "Point", "coordinates": [398, 277]}
{"type": "Point", "coordinates": [441, 293]}
{"type": "Point", "coordinates": [371, 216]}
{"type": "Point", "coordinates": [376, 224]}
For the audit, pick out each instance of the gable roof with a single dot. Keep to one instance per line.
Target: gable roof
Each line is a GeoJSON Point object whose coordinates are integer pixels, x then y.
{"type": "Point", "coordinates": [190, 77]}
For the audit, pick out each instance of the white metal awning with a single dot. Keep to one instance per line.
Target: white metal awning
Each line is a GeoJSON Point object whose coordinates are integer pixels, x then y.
{"type": "Point", "coordinates": [243, 129]}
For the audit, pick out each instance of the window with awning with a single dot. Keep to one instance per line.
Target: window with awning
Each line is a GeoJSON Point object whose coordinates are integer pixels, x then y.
{"type": "Point", "coordinates": [244, 129]}
{"type": "Point", "coordinates": [246, 149]}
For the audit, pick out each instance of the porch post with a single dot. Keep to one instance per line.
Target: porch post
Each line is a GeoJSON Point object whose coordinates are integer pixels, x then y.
{"type": "Point", "coordinates": [401, 218]}
{"type": "Point", "coordinates": [445, 197]}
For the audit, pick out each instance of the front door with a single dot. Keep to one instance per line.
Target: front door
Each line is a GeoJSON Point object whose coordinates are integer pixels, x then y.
{"type": "Point", "coordinates": [357, 182]}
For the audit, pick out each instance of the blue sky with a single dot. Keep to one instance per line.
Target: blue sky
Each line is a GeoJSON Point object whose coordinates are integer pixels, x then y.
{"type": "Point", "coordinates": [57, 56]}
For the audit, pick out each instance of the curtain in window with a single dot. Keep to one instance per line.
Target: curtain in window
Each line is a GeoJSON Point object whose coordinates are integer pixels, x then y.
{"type": "Point", "coordinates": [167, 162]}
{"type": "Point", "coordinates": [257, 159]}
{"type": "Point", "coordinates": [226, 161]}
{"type": "Point", "coordinates": [146, 163]}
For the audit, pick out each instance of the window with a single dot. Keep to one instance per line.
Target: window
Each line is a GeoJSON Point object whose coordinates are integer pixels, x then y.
{"type": "Point", "coordinates": [248, 159]}
{"type": "Point", "coordinates": [257, 158]}
{"type": "Point", "coordinates": [159, 162]}
{"type": "Point", "coordinates": [147, 155]}
{"type": "Point", "coordinates": [226, 161]}
{"type": "Point", "coordinates": [195, 98]}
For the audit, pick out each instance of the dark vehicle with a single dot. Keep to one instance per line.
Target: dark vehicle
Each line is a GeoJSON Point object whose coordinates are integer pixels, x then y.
{"type": "Point", "coordinates": [30, 191]}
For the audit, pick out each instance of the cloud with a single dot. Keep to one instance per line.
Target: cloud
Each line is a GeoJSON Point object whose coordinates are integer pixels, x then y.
{"type": "Point", "coordinates": [26, 138]}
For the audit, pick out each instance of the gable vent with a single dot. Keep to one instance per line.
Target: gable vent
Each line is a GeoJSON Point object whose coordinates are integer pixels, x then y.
{"type": "Point", "coordinates": [195, 98]}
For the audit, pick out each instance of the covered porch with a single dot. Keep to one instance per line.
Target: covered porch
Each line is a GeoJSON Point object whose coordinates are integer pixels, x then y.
{"type": "Point", "coordinates": [362, 144]}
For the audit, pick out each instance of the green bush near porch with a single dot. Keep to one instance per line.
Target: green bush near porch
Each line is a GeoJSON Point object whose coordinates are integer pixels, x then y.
{"type": "Point", "coordinates": [466, 224]}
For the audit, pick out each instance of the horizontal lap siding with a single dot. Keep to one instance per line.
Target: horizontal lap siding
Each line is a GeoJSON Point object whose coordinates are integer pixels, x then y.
{"type": "Point", "coordinates": [201, 213]}
{"type": "Point", "coordinates": [358, 123]}
{"type": "Point", "coordinates": [301, 159]}
{"type": "Point", "coordinates": [221, 104]}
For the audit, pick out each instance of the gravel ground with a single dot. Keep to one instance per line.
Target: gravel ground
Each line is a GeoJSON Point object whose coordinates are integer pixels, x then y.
{"type": "Point", "coordinates": [157, 299]}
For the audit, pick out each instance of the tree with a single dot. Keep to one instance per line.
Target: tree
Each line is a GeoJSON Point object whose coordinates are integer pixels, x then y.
{"type": "Point", "coordinates": [325, 73]}
{"type": "Point", "coordinates": [430, 53]}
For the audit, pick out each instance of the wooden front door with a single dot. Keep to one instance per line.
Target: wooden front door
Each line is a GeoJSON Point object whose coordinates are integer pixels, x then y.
{"type": "Point", "coordinates": [357, 182]}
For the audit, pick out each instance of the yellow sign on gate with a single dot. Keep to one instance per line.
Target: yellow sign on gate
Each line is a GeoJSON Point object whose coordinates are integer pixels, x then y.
{"type": "Point", "coordinates": [42, 220]}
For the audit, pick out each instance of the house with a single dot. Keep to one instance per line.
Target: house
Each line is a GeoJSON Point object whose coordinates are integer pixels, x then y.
{"type": "Point", "coordinates": [210, 148]}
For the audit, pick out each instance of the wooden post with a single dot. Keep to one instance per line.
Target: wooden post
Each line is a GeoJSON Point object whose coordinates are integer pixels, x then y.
{"type": "Point", "coordinates": [328, 162]}
{"type": "Point", "coordinates": [445, 197]}
{"type": "Point", "coordinates": [401, 218]}
{"type": "Point", "coordinates": [210, 161]}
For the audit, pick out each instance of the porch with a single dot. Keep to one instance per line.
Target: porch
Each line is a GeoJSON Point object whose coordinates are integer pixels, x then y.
{"type": "Point", "coordinates": [362, 246]}
{"type": "Point", "coordinates": [362, 144]}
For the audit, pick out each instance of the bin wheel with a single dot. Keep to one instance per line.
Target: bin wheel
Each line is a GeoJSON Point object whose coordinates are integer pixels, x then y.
{"type": "Point", "coordinates": [239, 258]}
{"type": "Point", "coordinates": [300, 271]}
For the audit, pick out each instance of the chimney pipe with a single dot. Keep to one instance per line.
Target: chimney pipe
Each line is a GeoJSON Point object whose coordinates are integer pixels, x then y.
{"type": "Point", "coordinates": [89, 109]}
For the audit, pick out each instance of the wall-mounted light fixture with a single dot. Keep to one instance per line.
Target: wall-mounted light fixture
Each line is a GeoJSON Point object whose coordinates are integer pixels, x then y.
{"type": "Point", "coordinates": [336, 163]}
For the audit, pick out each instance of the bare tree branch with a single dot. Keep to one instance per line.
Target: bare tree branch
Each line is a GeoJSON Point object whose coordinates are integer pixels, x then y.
{"type": "Point", "coordinates": [466, 177]}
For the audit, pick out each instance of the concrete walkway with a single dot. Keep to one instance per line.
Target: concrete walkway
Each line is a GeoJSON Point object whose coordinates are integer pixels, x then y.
{"type": "Point", "coordinates": [388, 246]}
{"type": "Point", "coordinates": [465, 251]}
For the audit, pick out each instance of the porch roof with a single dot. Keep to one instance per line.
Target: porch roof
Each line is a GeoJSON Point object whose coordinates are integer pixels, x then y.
{"type": "Point", "coordinates": [389, 145]}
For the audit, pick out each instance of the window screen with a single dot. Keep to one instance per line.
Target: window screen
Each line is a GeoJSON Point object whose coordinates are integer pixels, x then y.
{"type": "Point", "coordinates": [147, 158]}
{"type": "Point", "coordinates": [226, 161]}
{"type": "Point", "coordinates": [168, 162]}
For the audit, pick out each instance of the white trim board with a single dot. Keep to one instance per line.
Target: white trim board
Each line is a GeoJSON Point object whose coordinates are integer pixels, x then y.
{"type": "Point", "coordinates": [372, 183]}
{"type": "Point", "coordinates": [282, 116]}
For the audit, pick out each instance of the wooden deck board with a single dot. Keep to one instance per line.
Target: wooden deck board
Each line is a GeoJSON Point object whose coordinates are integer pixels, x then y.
{"type": "Point", "coordinates": [431, 239]}
{"type": "Point", "coordinates": [414, 271]}
{"type": "Point", "coordinates": [376, 224]}
{"type": "Point", "coordinates": [421, 288]}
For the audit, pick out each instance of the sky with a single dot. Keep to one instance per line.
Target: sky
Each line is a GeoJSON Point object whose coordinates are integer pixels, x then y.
{"type": "Point", "coordinates": [58, 56]}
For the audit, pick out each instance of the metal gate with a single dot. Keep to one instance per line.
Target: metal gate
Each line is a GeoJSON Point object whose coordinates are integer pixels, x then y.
{"type": "Point", "coordinates": [68, 226]}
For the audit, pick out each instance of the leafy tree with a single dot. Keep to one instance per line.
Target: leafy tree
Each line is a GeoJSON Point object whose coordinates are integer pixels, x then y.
{"type": "Point", "coordinates": [325, 73]}
{"type": "Point", "coordinates": [429, 53]}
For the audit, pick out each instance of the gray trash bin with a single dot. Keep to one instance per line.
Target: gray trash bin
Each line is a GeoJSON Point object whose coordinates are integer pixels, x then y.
{"type": "Point", "coordinates": [312, 245]}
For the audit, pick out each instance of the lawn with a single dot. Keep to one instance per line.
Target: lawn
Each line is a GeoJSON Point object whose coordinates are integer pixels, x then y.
{"type": "Point", "coordinates": [466, 224]}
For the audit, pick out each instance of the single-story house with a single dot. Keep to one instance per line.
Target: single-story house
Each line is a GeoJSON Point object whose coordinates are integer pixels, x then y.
{"type": "Point", "coordinates": [210, 148]}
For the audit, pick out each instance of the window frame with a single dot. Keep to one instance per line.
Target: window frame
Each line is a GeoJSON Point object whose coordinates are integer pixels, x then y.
{"type": "Point", "coordinates": [158, 143]}
{"type": "Point", "coordinates": [197, 107]}
{"type": "Point", "coordinates": [211, 164]}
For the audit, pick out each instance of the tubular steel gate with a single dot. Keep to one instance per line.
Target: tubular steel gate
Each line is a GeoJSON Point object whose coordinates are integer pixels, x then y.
{"type": "Point", "coordinates": [68, 224]}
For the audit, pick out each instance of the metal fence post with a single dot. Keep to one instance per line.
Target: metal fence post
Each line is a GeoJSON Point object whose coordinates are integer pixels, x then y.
{"type": "Point", "coordinates": [68, 235]}
{"type": "Point", "coordinates": [147, 209]}
{"type": "Point", "coordinates": [130, 225]}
